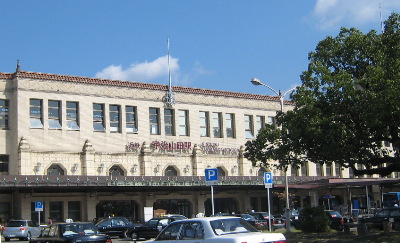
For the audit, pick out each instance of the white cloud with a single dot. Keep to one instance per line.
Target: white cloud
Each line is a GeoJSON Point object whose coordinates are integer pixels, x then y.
{"type": "Point", "coordinates": [332, 14]}
{"type": "Point", "coordinates": [155, 71]}
{"type": "Point", "coordinates": [141, 72]}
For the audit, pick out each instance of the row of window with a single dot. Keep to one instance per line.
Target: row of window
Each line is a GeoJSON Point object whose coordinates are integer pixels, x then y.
{"type": "Point", "coordinates": [212, 124]}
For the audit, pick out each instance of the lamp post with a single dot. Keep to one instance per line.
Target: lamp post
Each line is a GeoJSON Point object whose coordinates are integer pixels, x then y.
{"type": "Point", "coordinates": [281, 96]}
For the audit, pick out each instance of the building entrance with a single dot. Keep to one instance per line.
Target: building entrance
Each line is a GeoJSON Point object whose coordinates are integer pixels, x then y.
{"type": "Point", "coordinates": [172, 206]}
{"type": "Point", "coordinates": [221, 205]}
{"type": "Point", "coordinates": [121, 208]}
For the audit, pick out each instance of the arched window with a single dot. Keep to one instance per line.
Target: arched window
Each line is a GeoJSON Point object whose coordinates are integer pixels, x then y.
{"type": "Point", "coordinates": [221, 172]}
{"type": "Point", "coordinates": [261, 171]}
{"type": "Point", "coordinates": [116, 171]}
{"type": "Point", "coordinates": [171, 171]}
{"type": "Point", "coordinates": [55, 170]}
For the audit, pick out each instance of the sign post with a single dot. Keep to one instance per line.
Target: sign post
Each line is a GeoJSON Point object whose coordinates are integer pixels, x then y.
{"type": "Point", "coordinates": [211, 179]}
{"type": "Point", "coordinates": [268, 182]}
{"type": "Point", "coordinates": [38, 208]}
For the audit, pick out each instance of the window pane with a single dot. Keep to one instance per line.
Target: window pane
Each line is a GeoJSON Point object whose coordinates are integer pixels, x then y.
{"type": "Point", "coordinates": [154, 121]}
{"type": "Point", "coordinates": [4, 114]}
{"type": "Point", "coordinates": [131, 126]}
{"type": "Point", "coordinates": [72, 115]}
{"type": "Point", "coordinates": [183, 123]}
{"type": "Point", "coordinates": [203, 123]}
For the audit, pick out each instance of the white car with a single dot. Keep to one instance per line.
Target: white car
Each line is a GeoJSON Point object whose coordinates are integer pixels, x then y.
{"type": "Point", "coordinates": [215, 229]}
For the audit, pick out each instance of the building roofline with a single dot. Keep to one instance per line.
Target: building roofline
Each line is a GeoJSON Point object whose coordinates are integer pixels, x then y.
{"type": "Point", "coordinates": [137, 85]}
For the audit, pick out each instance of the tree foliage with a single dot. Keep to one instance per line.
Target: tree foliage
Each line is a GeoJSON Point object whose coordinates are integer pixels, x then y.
{"type": "Point", "coordinates": [347, 109]}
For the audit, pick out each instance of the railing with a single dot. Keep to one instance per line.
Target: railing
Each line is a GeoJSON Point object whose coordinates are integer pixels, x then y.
{"type": "Point", "coordinates": [73, 181]}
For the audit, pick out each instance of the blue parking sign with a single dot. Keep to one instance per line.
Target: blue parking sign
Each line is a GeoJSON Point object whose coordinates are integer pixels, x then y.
{"type": "Point", "coordinates": [211, 176]}
{"type": "Point", "coordinates": [38, 205]}
{"type": "Point", "coordinates": [268, 179]}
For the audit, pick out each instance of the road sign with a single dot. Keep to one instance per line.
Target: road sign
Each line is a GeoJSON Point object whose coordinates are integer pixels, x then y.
{"type": "Point", "coordinates": [211, 176]}
{"type": "Point", "coordinates": [38, 206]}
{"type": "Point", "coordinates": [268, 179]}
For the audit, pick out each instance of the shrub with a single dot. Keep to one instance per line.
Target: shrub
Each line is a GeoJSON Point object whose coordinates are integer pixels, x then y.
{"type": "Point", "coordinates": [313, 220]}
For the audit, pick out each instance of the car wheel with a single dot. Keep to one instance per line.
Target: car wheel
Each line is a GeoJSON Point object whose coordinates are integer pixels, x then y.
{"type": "Point", "coordinates": [28, 236]}
{"type": "Point", "coordinates": [134, 236]}
{"type": "Point", "coordinates": [125, 234]}
{"type": "Point", "coordinates": [7, 239]}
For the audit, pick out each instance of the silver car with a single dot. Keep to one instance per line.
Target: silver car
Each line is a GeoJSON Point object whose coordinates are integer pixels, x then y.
{"type": "Point", "coordinates": [21, 229]}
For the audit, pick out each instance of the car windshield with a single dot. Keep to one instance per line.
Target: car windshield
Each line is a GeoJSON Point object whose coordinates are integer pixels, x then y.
{"type": "Point", "coordinates": [75, 229]}
{"type": "Point", "coordinates": [248, 217]}
{"type": "Point", "coordinates": [16, 223]}
{"type": "Point", "coordinates": [335, 214]}
{"type": "Point", "coordinates": [231, 226]}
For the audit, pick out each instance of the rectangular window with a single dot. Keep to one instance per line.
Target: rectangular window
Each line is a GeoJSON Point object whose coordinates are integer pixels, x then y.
{"type": "Point", "coordinates": [74, 210]}
{"type": "Point", "coordinates": [183, 123]}
{"type": "Point", "coordinates": [304, 169]}
{"type": "Point", "coordinates": [54, 114]}
{"type": "Point", "coordinates": [56, 211]}
{"type": "Point", "coordinates": [4, 161]}
{"type": "Point", "coordinates": [154, 120]}
{"type": "Point", "coordinates": [328, 169]}
{"type": "Point", "coordinates": [115, 121]}
{"type": "Point", "coordinates": [35, 113]}
{"type": "Point", "coordinates": [230, 125]}
{"type": "Point", "coordinates": [338, 170]}
{"type": "Point", "coordinates": [248, 126]}
{"type": "Point", "coordinates": [271, 120]}
{"type": "Point", "coordinates": [293, 171]}
{"type": "Point", "coordinates": [3, 114]}
{"type": "Point", "coordinates": [217, 124]}
{"type": "Point", "coordinates": [98, 117]}
{"type": "Point", "coordinates": [72, 115]}
{"type": "Point", "coordinates": [204, 130]}
{"type": "Point", "coordinates": [318, 168]}
{"type": "Point", "coordinates": [259, 123]}
{"type": "Point", "coordinates": [131, 124]}
{"type": "Point", "coordinates": [169, 122]}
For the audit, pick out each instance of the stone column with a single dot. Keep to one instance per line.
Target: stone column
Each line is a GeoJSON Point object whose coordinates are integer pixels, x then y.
{"type": "Point", "coordinates": [25, 166]}
{"type": "Point", "coordinates": [145, 163]}
{"type": "Point", "coordinates": [88, 163]}
{"type": "Point", "coordinates": [197, 161]}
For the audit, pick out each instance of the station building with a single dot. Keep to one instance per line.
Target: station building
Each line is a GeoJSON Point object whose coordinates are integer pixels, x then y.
{"type": "Point", "coordinates": [90, 148]}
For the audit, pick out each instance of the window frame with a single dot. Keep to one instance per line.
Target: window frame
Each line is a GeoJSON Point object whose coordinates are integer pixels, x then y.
{"type": "Point", "coordinates": [54, 109]}
{"type": "Point", "coordinates": [115, 118]}
{"type": "Point", "coordinates": [154, 121]}
{"type": "Point", "coordinates": [72, 115]}
{"type": "Point", "coordinates": [169, 122]}
{"type": "Point", "coordinates": [101, 119]}
{"type": "Point", "coordinates": [36, 114]}
{"type": "Point", "coordinates": [204, 123]}
{"type": "Point", "coordinates": [217, 124]}
{"type": "Point", "coordinates": [4, 116]}
{"type": "Point", "coordinates": [183, 122]}
{"type": "Point", "coordinates": [248, 126]}
{"type": "Point", "coordinates": [131, 125]}
{"type": "Point", "coordinates": [230, 125]}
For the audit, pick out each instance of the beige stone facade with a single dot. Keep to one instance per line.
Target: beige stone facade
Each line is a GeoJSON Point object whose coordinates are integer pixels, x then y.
{"type": "Point", "coordinates": [130, 156]}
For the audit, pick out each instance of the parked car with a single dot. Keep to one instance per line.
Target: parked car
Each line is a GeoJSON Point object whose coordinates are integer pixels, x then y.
{"type": "Point", "coordinates": [386, 214]}
{"type": "Point", "coordinates": [114, 226]}
{"type": "Point", "coordinates": [262, 219]}
{"type": "Point", "coordinates": [293, 216]}
{"type": "Point", "coordinates": [215, 229]}
{"type": "Point", "coordinates": [337, 220]}
{"type": "Point", "coordinates": [152, 227]}
{"type": "Point", "coordinates": [71, 233]}
{"type": "Point", "coordinates": [21, 229]}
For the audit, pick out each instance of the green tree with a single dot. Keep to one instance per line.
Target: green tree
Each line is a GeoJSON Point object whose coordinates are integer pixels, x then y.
{"type": "Point", "coordinates": [347, 109]}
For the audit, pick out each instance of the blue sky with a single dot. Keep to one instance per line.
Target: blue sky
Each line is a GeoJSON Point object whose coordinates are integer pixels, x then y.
{"type": "Point", "coordinates": [214, 44]}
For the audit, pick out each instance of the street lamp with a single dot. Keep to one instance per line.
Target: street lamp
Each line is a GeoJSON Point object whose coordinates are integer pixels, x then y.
{"type": "Point", "coordinates": [281, 96]}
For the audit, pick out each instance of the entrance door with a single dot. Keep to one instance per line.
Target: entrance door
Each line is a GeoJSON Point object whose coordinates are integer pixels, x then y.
{"type": "Point", "coordinates": [118, 208]}
{"type": "Point", "coordinates": [221, 205]}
